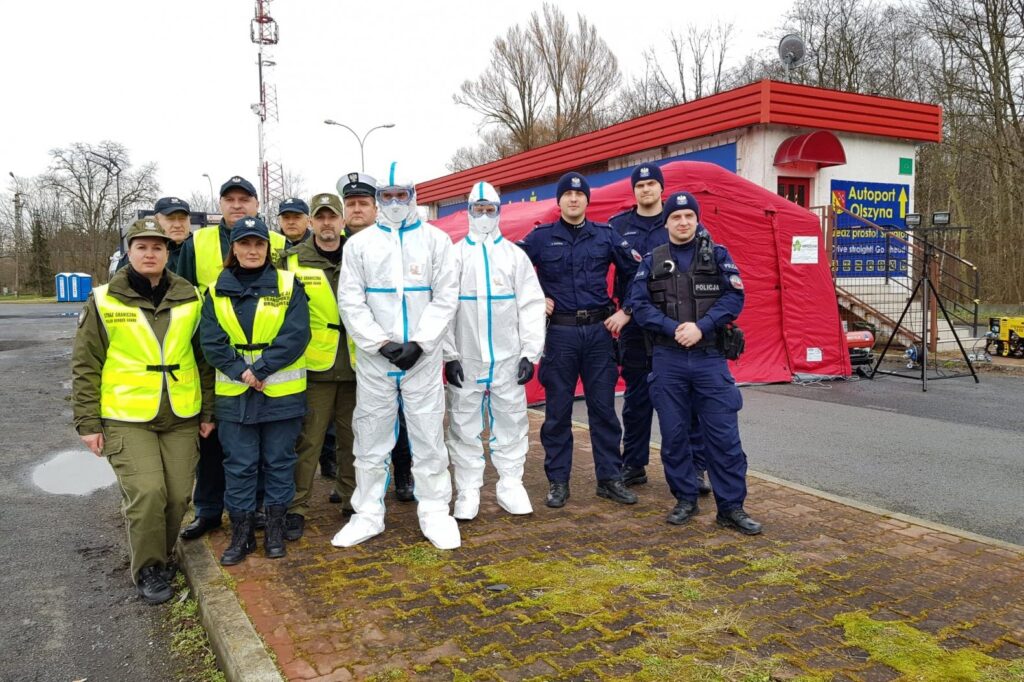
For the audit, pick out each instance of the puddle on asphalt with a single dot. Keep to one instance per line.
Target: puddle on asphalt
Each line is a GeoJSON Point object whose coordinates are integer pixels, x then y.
{"type": "Point", "coordinates": [73, 472]}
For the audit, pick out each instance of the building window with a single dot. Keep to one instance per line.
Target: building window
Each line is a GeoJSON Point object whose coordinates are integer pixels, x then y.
{"type": "Point", "coordinates": [797, 190]}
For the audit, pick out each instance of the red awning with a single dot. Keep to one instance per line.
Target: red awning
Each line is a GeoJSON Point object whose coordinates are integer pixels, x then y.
{"type": "Point", "coordinates": [820, 148]}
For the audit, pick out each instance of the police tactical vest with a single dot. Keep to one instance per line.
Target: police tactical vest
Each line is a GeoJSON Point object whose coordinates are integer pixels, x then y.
{"type": "Point", "coordinates": [138, 366]}
{"type": "Point", "coordinates": [684, 296]}
{"type": "Point", "coordinates": [209, 259]}
{"type": "Point", "coordinates": [267, 322]}
{"type": "Point", "coordinates": [324, 320]}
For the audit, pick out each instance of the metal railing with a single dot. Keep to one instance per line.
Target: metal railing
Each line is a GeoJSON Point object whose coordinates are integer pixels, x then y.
{"type": "Point", "coordinates": [874, 283]}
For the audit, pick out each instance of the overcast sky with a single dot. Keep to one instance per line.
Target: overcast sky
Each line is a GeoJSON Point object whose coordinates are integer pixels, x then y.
{"type": "Point", "coordinates": [173, 80]}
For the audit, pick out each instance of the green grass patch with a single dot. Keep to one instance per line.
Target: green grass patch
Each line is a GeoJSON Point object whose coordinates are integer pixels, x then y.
{"type": "Point", "coordinates": [591, 586]}
{"type": "Point", "coordinates": [419, 557]}
{"type": "Point", "coordinates": [189, 643]}
{"type": "Point", "coordinates": [919, 656]}
{"type": "Point", "coordinates": [777, 569]}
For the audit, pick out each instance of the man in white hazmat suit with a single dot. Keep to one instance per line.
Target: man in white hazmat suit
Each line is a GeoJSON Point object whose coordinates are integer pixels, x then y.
{"type": "Point", "coordinates": [397, 294]}
{"type": "Point", "coordinates": [495, 339]}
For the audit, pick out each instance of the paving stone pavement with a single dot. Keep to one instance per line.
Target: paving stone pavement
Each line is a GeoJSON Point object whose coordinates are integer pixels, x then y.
{"type": "Point", "coordinates": [599, 591]}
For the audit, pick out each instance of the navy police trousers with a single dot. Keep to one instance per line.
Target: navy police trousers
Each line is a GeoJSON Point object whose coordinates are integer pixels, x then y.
{"type": "Point", "coordinates": [698, 382]}
{"type": "Point", "coordinates": [571, 353]}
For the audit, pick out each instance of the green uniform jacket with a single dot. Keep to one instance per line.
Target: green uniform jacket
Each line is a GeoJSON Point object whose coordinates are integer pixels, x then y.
{"type": "Point", "coordinates": [309, 257]}
{"type": "Point", "coordinates": [90, 352]}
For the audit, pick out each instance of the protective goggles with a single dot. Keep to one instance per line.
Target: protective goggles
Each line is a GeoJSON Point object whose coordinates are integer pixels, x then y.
{"type": "Point", "coordinates": [389, 195]}
{"type": "Point", "coordinates": [482, 208]}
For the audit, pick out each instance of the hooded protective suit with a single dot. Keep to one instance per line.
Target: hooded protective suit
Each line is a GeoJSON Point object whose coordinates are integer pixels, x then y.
{"type": "Point", "coordinates": [397, 284]}
{"type": "Point", "coordinates": [499, 321]}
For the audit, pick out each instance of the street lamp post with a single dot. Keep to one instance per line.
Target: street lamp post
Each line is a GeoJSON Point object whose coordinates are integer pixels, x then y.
{"type": "Point", "coordinates": [361, 140]}
{"type": "Point", "coordinates": [213, 200]}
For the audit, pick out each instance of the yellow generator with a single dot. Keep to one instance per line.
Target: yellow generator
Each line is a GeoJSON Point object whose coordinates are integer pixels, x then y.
{"type": "Point", "coordinates": [1006, 334]}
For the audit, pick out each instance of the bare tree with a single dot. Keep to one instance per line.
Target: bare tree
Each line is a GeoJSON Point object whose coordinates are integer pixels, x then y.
{"type": "Point", "coordinates": [85, 185]}
{"type": "Point", "coordinates": [510, 93]}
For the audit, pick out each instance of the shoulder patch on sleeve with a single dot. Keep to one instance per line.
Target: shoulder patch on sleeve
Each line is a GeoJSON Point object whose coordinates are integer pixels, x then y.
{"type": "Point", "coordinates": [730, 266]}
{"type": "Point", "coordinates": [636, 255]}
{"type": "Point", "coordinates": [735, 282]}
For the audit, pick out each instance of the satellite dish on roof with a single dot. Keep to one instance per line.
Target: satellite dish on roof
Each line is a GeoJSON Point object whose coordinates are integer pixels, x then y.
{"type": "Point", "coordinates": [791, 51]}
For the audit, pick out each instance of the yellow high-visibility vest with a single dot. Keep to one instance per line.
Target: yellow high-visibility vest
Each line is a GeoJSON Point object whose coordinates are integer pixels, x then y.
{"type": "Point", "coordinates": [138, 366]}
{"type": "Point", "coordinates": [210, 262]}
{"type": "Point", "coordinates": [270, 312]}
{"type": "Point", "coordinates": [324, 320]}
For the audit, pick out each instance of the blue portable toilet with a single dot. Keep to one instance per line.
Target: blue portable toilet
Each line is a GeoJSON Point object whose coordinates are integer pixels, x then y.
{"type": "Point", "coordinates": [80, 285]}
{"type": "Point", "coordinates": [62, 287]}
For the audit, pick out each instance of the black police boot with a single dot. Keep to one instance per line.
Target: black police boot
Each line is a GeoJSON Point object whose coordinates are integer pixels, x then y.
{"type": "Point", "coordinates": [702, 485]}
{"type": "Point", "coordinates": [558, 493]}
{"type": "Point", "coordinates": [273, 537]}
{"type": "Point", "coordinates": [152, 587]}
{"type": "Point", "coordinates": [737, 519]}
{"type": "Point", "coordinates": [682, 512]}
{"type": "Point", "coordinates": [334, 497]}
{"type": "Point", "coordinates": [169, 570]}
{"type": "Point", "coordinates": [199, 527]}
{"type": "Point", "coordinates": [261, 518]}
{"type": "Point", "coordinates": [403, 486]}
{"type": "Point", "coordinates": [614, 490]}
{"type": "Point", "coordinates": [634, 476]}
{"type": "Point", "coordinates": [243, 538]}
{"type": "Point", "coordinates": [328, 467]}
{"type": "Point", "coordinates": [294, 526]}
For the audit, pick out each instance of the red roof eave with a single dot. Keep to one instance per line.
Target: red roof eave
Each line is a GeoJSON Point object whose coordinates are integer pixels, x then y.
{"type": "Point", "coordinates": [764, 102]}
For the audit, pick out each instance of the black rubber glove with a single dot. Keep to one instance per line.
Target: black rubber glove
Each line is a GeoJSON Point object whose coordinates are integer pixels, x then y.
{"type": "Point", "coordinates": [391, 350]}
{"type": "Point", "coordinates": [525, 371]}
{"type": "Point", "coordinates": [453, 373]}
{"type": "Point", "coordinates": [411, 352]}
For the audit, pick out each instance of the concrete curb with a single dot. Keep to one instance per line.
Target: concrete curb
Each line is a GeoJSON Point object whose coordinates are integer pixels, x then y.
{"type": "Point", "coordinates": [863, 506]}
{"type": "Point", "coordinates": [242, 655]}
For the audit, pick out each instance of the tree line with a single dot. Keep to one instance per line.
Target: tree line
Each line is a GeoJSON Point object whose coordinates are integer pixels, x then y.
{"type": "Point", "coordinates": [550, 79]}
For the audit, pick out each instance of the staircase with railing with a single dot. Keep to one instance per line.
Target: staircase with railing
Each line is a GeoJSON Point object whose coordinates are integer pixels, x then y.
{"type": "Point", "coordinates": [879, 297]}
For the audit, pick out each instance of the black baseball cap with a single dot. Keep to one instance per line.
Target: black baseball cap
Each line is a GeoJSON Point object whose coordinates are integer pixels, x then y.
{"type": "Point", "coordinates": [169, 205]}
{"type": "Point", "coordinates": [293, 205]}
{"type": "Point", "coordinates": [249, 227]}
{"type": "Point", "coordinates": [238, 182]}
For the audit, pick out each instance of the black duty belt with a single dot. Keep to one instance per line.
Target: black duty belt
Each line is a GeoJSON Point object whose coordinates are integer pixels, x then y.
{"type": "Point", "coordinates": [582, 318]}
{"type": "Point", "coordinates": [670, 342]}
{"type": "Point", "coordinates": [252, 346]}
{"type": "Point", "coordinates": [164, 368]}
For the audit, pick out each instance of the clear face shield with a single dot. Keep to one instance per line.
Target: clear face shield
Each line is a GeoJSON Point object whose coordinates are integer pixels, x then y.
{"type": "Point", "coordinates": [483, 216]}
{"type": "Point", "coordinates": [397, 203]}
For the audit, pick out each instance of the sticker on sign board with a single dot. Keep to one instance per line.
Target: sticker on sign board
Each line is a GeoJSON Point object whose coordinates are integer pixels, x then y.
{"type": "Point", "coordinates": [805, 250]}
{"type": "Point", "coordinates": [813, 355]}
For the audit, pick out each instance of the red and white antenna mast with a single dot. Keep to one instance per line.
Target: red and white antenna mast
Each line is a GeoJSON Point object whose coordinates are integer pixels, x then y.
{"type": "Point", "coordinates": [264, 33]}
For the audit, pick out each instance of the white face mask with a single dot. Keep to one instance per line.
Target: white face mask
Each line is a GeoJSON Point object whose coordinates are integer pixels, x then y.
{"type": "Point", "coordinates": [483, 224]}
{"type": "Point", "coordinates": [395, 213]}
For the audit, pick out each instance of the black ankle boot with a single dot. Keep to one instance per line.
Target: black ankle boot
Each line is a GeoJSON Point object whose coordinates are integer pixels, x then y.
{"type": "Point", "coordinates": [243, 538]}
{"type": "Point", "coordinates": [403, 485]}
{"type": "Point", "coordinates": [273, 535]}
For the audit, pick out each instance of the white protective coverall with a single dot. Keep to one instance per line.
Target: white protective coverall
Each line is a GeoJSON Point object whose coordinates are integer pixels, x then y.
{"type": "Point", "coordinates": [397, 283]}
{"type": "Point", "coordinates": [499, 321]}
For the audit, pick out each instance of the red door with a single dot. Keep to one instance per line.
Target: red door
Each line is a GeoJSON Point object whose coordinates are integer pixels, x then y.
{"type": "Point", "coordinates": [797, 190]}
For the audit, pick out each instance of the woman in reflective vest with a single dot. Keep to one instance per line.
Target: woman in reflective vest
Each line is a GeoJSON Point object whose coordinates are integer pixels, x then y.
{"type": "Point", "coordinates": [139, 401]}
{"type": "Point", "coordinates": [254, 332]}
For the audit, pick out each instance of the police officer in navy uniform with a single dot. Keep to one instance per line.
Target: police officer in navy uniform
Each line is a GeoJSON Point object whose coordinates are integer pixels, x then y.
{"type": "Point", "coordinates": [685, 293]}
{"type": "Point", "coordinates": [572, 256]}
{"type": "Point", "coordinates": [644, 228]}
{"type": "Point", "coordinates": [293, 217]}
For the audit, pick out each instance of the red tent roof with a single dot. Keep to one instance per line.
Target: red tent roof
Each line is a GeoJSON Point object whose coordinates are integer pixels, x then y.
{"type": "Point", "coordinates": [758, 103]}
{"type": "Point", "coordinates": [790, 318]}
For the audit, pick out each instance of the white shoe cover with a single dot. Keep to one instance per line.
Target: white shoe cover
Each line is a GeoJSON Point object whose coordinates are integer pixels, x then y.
{"type": "Point", "coordinates": [442, 530]}
{"type": "Point", "coordinates": [513, 498]}
{"type": "Point", "coordinates": [467, 504]}
{"type": "Point", "coordinates": [360, 528]}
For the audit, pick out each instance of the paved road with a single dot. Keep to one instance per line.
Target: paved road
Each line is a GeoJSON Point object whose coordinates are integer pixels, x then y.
{"type": "Point", "coordinates": [69, 609]}
{"type": "Point", "coordinates": [953, 455]}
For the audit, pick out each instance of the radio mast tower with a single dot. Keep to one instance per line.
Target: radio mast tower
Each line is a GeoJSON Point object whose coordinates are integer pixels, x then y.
{"type": "Point", "coordinates": [264, 33]}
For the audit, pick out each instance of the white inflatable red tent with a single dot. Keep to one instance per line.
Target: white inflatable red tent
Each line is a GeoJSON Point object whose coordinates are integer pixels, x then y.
{"type": "Point", "coordinates": [790, 318]}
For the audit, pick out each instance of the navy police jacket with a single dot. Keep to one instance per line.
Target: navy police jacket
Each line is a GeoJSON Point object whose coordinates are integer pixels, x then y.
{"type": "Point", "coordinates": [726, 309]}
{"type": "Point", "coordinates": [573, 270]}
{"type": "Point", "coordinates": [254, 407]}
{"type": "Point", "coordinates": [643, 233]}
